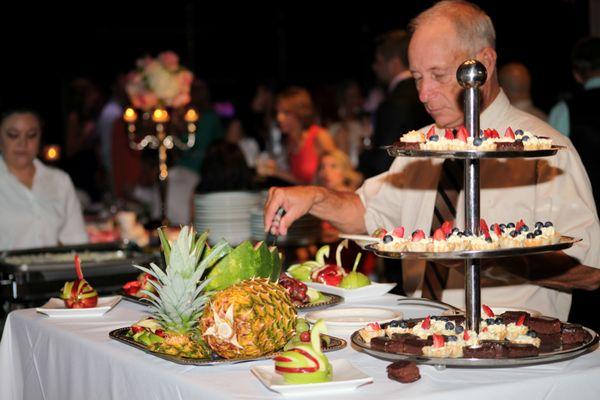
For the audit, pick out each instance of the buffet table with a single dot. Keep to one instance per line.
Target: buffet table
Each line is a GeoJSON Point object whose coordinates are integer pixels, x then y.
{"type": "Point", "coordinates": [52, 358]}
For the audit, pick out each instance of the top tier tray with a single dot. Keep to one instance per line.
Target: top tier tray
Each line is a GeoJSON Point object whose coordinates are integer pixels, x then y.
{"type": "Point", "coordinates": [397, 151]}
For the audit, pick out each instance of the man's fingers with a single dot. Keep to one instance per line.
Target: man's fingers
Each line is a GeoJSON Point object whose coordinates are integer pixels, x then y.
{"type": "Point", "coordinates": [271, 206]}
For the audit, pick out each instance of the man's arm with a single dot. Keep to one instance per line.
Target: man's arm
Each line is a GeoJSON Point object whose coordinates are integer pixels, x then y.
{"type": "Point", "coordinates": [343, 210]}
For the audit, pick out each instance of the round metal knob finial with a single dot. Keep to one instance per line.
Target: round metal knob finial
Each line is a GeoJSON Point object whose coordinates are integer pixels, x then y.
{"type": "Point", "coordinates": [471, 74]}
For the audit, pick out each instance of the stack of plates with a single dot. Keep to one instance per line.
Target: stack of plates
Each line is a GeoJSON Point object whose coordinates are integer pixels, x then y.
{"type": "Point", "coordinates": [225, 214]}
{"type": "Point", "coordinates": [305, 231]}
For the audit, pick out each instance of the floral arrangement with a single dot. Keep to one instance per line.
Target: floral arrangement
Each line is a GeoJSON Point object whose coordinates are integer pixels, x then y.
{"type": "Point", "coordinates": [159, 81]}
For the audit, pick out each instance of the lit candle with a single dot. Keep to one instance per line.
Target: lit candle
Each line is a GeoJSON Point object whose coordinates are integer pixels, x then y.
{"type": "Point", "coordinates": [191, 115]}
{"type": "Point", "coordinates": [160, 116]}
{"type": "Point", "coordinates": [130, 116]}
{"type": "Point", "coordinates": [51, 153]}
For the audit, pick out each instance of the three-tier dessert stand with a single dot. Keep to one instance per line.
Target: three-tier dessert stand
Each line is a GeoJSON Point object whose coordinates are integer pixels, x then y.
{"type": "Point", "coordinates": [471, 75]}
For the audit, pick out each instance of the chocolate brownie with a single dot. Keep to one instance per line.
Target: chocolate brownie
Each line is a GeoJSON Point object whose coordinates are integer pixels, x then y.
{"type": "Point", "coordinates": [549, 342]}
{"type": "Point", "coordinates": [403, 371]}
{"type": "Point", "coordinates": [379, 343]}
{"type": "Point", "coordinates": [407, 343]}
{"type": "Point", "coordinates": [574, 334]}
{"type": "Point", "coordinates": [510, 146]}
{"type": "Point", "coordinates": [508, 317]}
{"type": "Point", "coordinates": [407, 145]}
{"type": "Point", "coordinates": [485, 350]}
{"type": "Point", "coordinates": [543, 325]}
{"type": "Point", "coordinates": [514, 350]}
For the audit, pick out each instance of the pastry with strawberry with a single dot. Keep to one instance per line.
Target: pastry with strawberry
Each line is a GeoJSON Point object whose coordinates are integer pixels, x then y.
{"type": "Point", "coordinates": [79, 293]}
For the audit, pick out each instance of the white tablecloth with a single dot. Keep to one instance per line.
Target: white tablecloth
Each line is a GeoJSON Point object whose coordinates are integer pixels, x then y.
{"type": "Point", "coordinates": [50, 358]}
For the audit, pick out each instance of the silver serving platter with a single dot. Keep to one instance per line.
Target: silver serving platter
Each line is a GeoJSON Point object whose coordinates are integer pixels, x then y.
{"type": "Point", "coordinates": [542, 358]}
{"type": "Point", "coordinates": [121, 336]}
{"type": "Point", "coordinates": [396, 151]}
{"type": "Point", "coordinates": [564, 243]}
{"type": "Point", "coordinates": [331, 300]}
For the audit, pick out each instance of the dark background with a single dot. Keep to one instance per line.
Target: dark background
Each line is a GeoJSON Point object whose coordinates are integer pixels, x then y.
{"type": "Point", "coordinates": [235, 47]}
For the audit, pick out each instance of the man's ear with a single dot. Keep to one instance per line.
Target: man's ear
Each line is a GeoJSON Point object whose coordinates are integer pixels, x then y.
{"type": "Point", "coordinates": [488, 57]}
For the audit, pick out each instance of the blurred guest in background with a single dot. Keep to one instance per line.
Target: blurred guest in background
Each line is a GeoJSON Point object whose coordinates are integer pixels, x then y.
{"type": "Point", "coordinates": [579, 117]}
{"type": "Point", "coordinates": [39, 205]}
{"type": "Point", "coordinates": [84, 102]}
{"type": "Point", "coordinates": [336, 172]}
{"type": "Point", "coordinates": [585, 61]}
{"type": "Point", "coordinates": [111, 112]}
{"type": "Point", "coordinates": [224, 169]}
{"type": "Point", "coordinates": [515, 80]}
{"type": "Point", "coordinates": [401, 111]}
{"type": "Point", "coordinates": [184, 175]}
{"type": "Point", "coordinates": [305, 140]}
{"type": "Point", "coordinates": [236, 134]}
{"type": "Point", "coordinates": [350, 131]}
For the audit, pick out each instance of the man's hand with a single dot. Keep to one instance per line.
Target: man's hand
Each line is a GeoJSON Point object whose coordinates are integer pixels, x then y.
{"type": "Point", "coordinates": [296, 201]}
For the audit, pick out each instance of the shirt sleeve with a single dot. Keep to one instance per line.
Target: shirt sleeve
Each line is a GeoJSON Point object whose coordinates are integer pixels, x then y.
{"type": "Point", "coordinates": [73, 228]}
{"type": "Point", "coordinates": [559, 118]}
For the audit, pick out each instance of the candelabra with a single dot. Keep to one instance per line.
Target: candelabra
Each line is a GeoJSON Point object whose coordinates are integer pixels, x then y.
{"type": "Point", "coordinates": [152, 130]}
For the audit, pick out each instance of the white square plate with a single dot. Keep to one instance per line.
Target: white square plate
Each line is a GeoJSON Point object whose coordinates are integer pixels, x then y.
{"type": "Point", "coordinates": [345, 377]}
{"type": "Point", "coordinates": [373, 290]}
{"type": "Point", "coordinates": [56, 308]}
{"type": "Point", "coordinates": [353, 317]}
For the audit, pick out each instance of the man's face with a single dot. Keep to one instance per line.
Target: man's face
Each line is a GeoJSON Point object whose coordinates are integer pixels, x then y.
{"type": "Point", "coordinates": [435, 55]}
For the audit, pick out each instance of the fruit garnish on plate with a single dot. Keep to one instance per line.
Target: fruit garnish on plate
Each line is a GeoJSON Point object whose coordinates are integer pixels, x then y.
{"type": "Point", "coordinates": [142, 283]}
{"type": "Point", "coordinates": [305, 362]}
{"type": "Point", "coordinates": [79, 293]}
{"type": "Point", "coordinates": [355, 279]}
{"type": "Point", "coordinates": [328, 274]}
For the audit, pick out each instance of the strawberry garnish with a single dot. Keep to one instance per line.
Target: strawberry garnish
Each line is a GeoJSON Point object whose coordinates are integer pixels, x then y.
{"type": "Point", "coordinates": [521, 320]}
{"type": "Point", "coordinates": [484, 329]}
{"type": "Point", "coordinates": [438, 340]}
{"type": "Point", "coordinates": [398, 231]}
{"type": "Point", "coordinates": [375, 326]}
{"type": "Point", "coordinates": [488, 311]}
{"type": "Point", "coordinates": [160, 332]}
{"type": "Point", "coordinates": [426, 324]}
{"type": "Point", "coordinates": [483, 227]}
{"type": "Point", "coordinates": [495, 134]}
{"type": "Point", "coordinates": [466, 336]}
{"type": "Point", "coordinates": [497, 230]}
{"type": "Point", "coordinates": [487, 133]}
{"type": "Point", "coordinates": [520, 224]}
{"type": "Point", "coordinates": [448, 134]}
{"type": "Point", "coordinates": [439, 234]}
{"type": "Point", "coordinates": [509, 133]}
{"type": "Point", "coordinates": [447, 227]}
{"type": "Point", "coordinates": [462, 134]}
{"type": "Point", "coordinates": [418, 235]}
{"type": "Point", "coordinates": [430, 132]}
{"type": "Point", "coordinates": [380, 233]}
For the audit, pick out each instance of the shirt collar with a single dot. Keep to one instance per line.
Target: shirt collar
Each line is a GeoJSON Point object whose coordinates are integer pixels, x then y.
{"type": "Point", "coordinates": [402, 76]}
{"type": "Point", "coordinates": [593, 83]}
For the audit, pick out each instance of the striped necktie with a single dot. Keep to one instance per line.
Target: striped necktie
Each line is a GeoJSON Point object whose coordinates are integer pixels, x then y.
{"type": "Point", "coordinates": [449, 187]}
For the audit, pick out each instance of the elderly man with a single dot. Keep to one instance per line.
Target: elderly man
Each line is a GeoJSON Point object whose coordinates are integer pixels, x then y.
{"type": "Point", "coordinates": [554, 188]}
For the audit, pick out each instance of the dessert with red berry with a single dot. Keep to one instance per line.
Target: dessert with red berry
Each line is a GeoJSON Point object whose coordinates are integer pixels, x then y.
{"type": "Point", "coordinates": [79, 293]}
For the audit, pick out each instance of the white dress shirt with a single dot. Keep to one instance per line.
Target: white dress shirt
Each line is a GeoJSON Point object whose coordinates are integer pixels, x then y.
{"type": "Point", "coordinates": [45, 215]}
{"type": "Point", "coordinates": [553, 189]}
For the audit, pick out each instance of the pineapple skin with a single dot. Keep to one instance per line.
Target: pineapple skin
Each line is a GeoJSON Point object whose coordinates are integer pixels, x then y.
{"type": "Point", "coordinates": [264, 319]}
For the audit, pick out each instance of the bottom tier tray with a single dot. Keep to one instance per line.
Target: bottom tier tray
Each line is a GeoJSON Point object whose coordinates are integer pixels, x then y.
{"type": "Point", "coordinates": [542, 358]}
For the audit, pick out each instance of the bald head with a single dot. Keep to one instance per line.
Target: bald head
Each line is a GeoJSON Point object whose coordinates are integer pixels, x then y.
{"type": "Point", "coordinates": [516, 81]}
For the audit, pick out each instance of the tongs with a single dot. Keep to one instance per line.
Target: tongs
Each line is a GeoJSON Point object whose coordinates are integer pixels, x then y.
{"type": "Point", "coordinates": [271, 238]}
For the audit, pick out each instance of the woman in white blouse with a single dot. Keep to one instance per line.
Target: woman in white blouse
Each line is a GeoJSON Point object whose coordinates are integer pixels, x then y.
{"type": "Point", "coordinates": [38, 206]}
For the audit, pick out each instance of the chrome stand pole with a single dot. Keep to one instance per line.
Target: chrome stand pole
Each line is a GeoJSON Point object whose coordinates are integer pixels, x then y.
{"type": "Point", "coordinates": [471, 75]}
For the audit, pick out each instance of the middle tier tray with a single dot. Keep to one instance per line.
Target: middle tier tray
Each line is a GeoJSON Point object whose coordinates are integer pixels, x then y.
{"type": "Point", "coordinates": [564, 243]}
{"type": "Point", "coordinates": [398, 151]}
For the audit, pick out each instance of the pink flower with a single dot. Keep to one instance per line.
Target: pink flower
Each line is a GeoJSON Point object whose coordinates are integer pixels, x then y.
{"type": "Point", "coordinates": [169, 59]}
{"type": "Point", "coordinates": [181, 100]}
